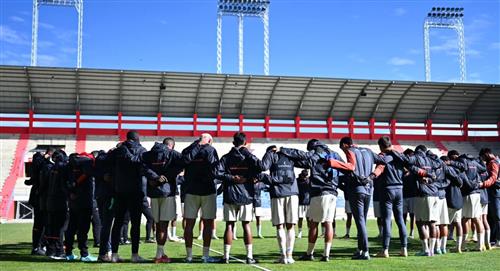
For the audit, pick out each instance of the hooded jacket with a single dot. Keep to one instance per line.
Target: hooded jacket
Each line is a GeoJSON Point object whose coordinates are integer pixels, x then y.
{"type": "Point", "coordinates": [238, 162]}
{"type": "Point", "coordinates": [444, 175]}
{"type": "Point", "coordinates": [103, 166]}
{"type": "Point", "coordinates": [81, 181]}
{"type": "Point", "coordinates": [423, 166]}
{"type": "Point", "coordinates": [281, 181]}
{"type": "Point", "coordinates": [324, 179]}
{"type": "Point", "coordinates": [454, 197]}
{"type": "Point", "coordinates": [37, 163]}
{"type": "Point", "coordinates": [161, 160]}
{"type": "Point", "coordinates": [466, 163]}
{"type": "Point", "coordinates": [57, 189]}
{"type": "Point", "coordinates": [128, 170]}
{"type": "Point", "coordinates": [200, 161]}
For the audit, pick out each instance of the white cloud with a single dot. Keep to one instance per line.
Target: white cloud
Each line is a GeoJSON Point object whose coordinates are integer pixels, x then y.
{"type": "Point", "coordinates": [495, 45]}
{"type": "Point", "coordinates": [46, 25]}
{"type": "Point", "coordinates": [399, 11]}
{"type": "Point", "coordinates": [399, 61]}
{"type": "Point", "coordinates": [16, 19]}
{"type": "Point", "coordinates": [47, 60]}
{"type": "Point", "coordinates": [9, 35]}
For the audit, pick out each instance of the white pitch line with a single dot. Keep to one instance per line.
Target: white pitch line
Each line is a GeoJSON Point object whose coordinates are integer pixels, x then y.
{"type": "Point", "coordinates": [234, 258]}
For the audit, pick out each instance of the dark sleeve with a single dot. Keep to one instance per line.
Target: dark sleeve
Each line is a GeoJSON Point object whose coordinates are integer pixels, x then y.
{"type": "Point", "coordinates": [190, 152]}
{"type": "Point", "coordinates": [481, 168]}
{"type": "Point", "coordinates": [265, 178]}
{"type": "Point", "coordinates": [458, 165]}
{"type": "Point", "coordinates": [221, 172]}
{"type": "Point", "coordinates": [251, 157]}
{"type": "Point", "coordinates": [267, 161]}
{"type": "Point", "coordinates": [452, 176]}
{"type": "Point", "coordinates": [381, 159]}
{"type": "Point", "coordinates": [302, 157]}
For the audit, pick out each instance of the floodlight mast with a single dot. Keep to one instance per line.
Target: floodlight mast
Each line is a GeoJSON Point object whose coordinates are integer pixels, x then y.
{"type": "Point", "coordinates": [78, 5]}
{"type": "Point", "coordinates": [447, 18]}
{"type": "Point", "coordinates": [240, 9]}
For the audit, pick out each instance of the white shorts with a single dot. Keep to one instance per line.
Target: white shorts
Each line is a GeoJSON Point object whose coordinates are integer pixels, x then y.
{"type": "Point", "coordinates": [233, 212]}
{"type": "Point", "coordinates": [376, 209]}
{"type": "Point", "coordinates": [303, 211]}
{"type": "Point", "coordinates": [409, 205]}
{"type": "Point", "coordinates": [285, 210]}
{"type": "Point", "coordinates": [455, 215]}
{"type": "Point", "coordinates": [484, 209]}
{"type": "Point", "coordinates": [322, 208]}
{"type": "Point", "coordinates": [348, 207]}
{"type": "Point", "coordinates": [163, 209]}
{"type": "Point", "coordinates": [426, 209]}
{"type": "Point", "coordinates": [178, 206]}
{"type": "Point", "coordinates": [443, 212]}
{"type": "Point", "coordinates": [472, 206]}
{"type": "Point", "coordinates": [257, 211]}
{"type": "Point", "coordinates": [207, 204]}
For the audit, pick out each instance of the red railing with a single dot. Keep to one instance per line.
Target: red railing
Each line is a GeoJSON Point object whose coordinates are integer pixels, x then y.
{"type": "Point", "coordinates": [267, 128]}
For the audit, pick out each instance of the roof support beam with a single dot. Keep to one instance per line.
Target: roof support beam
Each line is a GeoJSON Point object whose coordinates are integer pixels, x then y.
{"type": "Point", "coordinates": [268, 111]}
{"type": "Point", "coordinates": [306, 89]}
{"type": "Point", "coordinates": [337, 96]}
{"type": "Point", "coordinates": [357, 98]}
{"type": "Point", "coordinates": [221, 99]}
{"type": "Point", "coordinates": [120, 92]}
{"type": "Point", "coordinates": [398, 105]}
{"type": "Point", "coordinates": [436, 104]}
{"type": "Point", "coordinates": [474, 102]}
{"type": "Point", "coordinates": [160, 93]}
{"type": "Point", "coordinates": [375, 107]}
{"type": "Point", "coordinates": [31, 104]}
{"type": "Point", "coordinates": [198, 93]}
{"type": "Point", "coordinates": [242, 104]}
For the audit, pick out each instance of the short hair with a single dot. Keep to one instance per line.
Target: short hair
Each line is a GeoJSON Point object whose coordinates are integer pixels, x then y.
{"type": "Point", "coordinates": [421, 148]}
{"type": "Point", "coordinates": [271, 147]}
{"type": "Point", "coordinates": [384, 142]}
{"type": "Point", "coordinates": [453, 152]}
{"type": "Point", "coordinates": [445, 158]}
{"type": "Point", "coordinates": [239, 139]}
{"type": "Point", "coordinates": [408, 152]}
{"type": "Point", "coordinates": [311, 144]}
{"type": "Point", "coordinates": [346, 140]}
{"type": "Point", "coordinates": [484, 151]}
{"type": "Point", "coordinates": [133, 135]}
{"type": "Point", "coordinates": [169, 141]}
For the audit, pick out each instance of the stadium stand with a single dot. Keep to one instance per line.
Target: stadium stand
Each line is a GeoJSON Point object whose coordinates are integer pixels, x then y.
{"type": "Point", "coordinates": [7, 154]}
{"type": "Point", "coordinates": [463, 146]}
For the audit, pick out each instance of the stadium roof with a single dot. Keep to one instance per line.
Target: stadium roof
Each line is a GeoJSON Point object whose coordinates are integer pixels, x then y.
{"type": "Point", "coordinates": [63, 91]}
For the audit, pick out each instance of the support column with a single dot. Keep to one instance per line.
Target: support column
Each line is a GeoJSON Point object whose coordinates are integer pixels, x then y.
{"type": "Point", "coordinates": [195, 124]}
{"type": "Point", "coordinates": [158, 124]}
{"type": "Point", "coordinates": [392, 129]}
{"type": "Point", "coordinates": [240, 123]}
{"type": "Point", "coordinates": [465, 130]}
{"type": "Point", "coordinates": [119, 131]}
{"type": "Point", "coordinates": [371, 128]}
{"type": "Point", "coordinates": [297, 127]}
{"type": "Point", "coordinates": [77, 126]}
{"type": "Point", "coordinates": [266, 127]}
{"type": "Point", "coordinates": [219, 117]}
{"type": "Point", "coordinates": [329, 127]}
{"type": "Point", "coordinates": [428, 129]}
{"type": "Point", "coordinates": [30, 123]}
{"type": "Point", "coordinates": [351, 127]}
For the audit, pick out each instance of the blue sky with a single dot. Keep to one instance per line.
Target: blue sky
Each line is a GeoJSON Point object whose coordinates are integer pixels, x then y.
{"type": "Point", "coordinates": [345, 39]}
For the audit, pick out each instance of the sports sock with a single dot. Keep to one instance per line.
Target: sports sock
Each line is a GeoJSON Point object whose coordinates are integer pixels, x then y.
{"type": "Point", "coordinates": [174, 231]}
{"type": "Point", "coordinates": [281, 240]}
{"type": "Point", "coordinates": [310, 248]}
{"type": "Point", "coordinates": [249, 251]}
{"type": "Point", "coordinates": [432, 243]}
{"type": "Point", "coordinates": [259, 230]}
{"type": "Point", "coordinates": [189, 252]}
{"type": "Point", "coordinates": [481, 240]}
{"type": "Point", "coordinates": [290, 242]}
{"type": "Point", "coordinates": [159, 251]}
{"type": "Point", "coordinates": [227, 249]}
{"type": "Point", "coordinates": [487, 236]}
{"type": "Point", "coordinates": [443, 242]}
{"type": "Point", "coordinates": [206, 252]}
{"type": "Point", "coordinates": [328, 246]}
{"type": "Point", "coordinates": [459, 242]}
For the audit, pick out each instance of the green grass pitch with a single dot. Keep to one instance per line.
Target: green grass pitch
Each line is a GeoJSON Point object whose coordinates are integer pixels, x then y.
{"type": "Point", "coordinates": [15, 248]}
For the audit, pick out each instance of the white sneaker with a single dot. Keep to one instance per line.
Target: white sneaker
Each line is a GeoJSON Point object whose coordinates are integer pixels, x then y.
{"type": "Point", "coordinates": [200, 237]}
{"type": "Point", "coordinates": [282, 260]}
{"type": "Point", "coordinates": [290, 260]}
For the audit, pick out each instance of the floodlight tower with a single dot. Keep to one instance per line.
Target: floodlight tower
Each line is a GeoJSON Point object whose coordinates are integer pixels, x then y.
{"type": "Point", "coordinates": [241, 8]}
{"type": "Point", "coordinates": [448, 18]}
{"type": "Point", "coordinates": [78, 4]}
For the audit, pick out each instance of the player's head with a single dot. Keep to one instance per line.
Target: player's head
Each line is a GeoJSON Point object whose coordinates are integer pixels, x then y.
{"type": "Point", "coordinates": [239, 139]}
{"type": "Point", "coordinates": [133, 135]}
{"type": "Point", "coordinates": [421, 148]}
{"type": "Point", "coordinates": [384, 143]}
{"type": "Point", "coordinates": [169, 142]}
{"type": "Point", "coordinates": [485, 154]}
{"type": "Point", "coordinates": [345, 142]}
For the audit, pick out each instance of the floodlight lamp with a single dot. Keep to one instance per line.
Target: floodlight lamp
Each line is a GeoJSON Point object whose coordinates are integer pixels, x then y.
{"type": "Point", "coordinates": [434, 9]}
{"type": "Point", "coordinates": [363, 93]}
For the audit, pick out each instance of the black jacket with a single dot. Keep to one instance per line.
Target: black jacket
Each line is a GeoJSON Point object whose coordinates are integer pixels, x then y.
{"type": "Point", "coordinates": [81, 181]}
{"type": "Point", "coordinates": [454, 197]}
{"type": "Point", "coordinates": [467, 164]}
{"type": "Point", "coordinates": [422, 167]}
{"type": "Point", "coordinates": [304, 189]}
{"type": "Point", "coordinates": [37, 163]}
{"type": "Point", "coordinates": [103, 166]}
{"type": "Point", "coordinates": [238, 162]}
{"type": "Point", "coordinates": [161, 160]}
{"type": "Point", "coordinates": [57, 189]}
{"type": "Point", "coordinates": [324, 180]}
{"type": "Point", "coordinates": [128, 169]}
{"type": "Point", "coordinates": [281, 181]}
{"type": "Point", "coordinates": [200, 161]}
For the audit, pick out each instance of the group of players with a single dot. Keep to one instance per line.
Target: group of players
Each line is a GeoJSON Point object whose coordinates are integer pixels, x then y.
{"type": "Point", "coordinates": [457, 189]}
